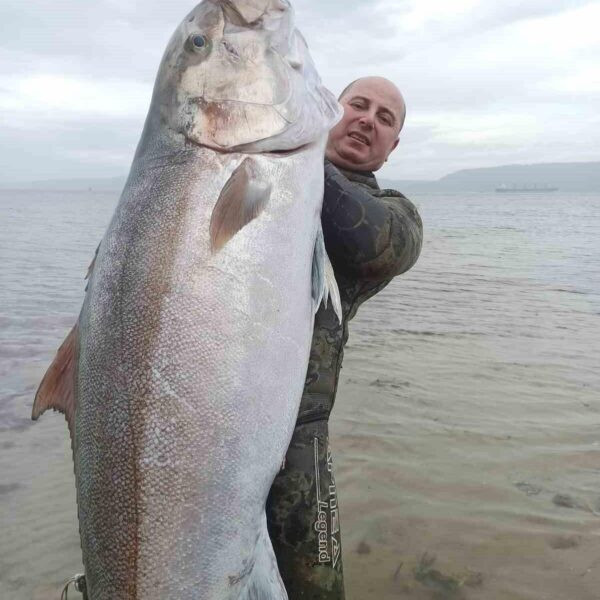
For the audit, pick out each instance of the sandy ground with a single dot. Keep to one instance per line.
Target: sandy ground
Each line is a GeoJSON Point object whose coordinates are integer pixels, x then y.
{"type": "Point", "coordinates": [419, 524]}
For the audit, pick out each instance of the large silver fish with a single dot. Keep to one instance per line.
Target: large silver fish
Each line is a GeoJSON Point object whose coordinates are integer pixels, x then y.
{"type": "Point", "coordinates": [181, 381]}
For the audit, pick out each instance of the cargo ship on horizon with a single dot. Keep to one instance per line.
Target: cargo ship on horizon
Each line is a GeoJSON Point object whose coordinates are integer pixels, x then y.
{"type": "Point", "coordinates": [505, 189]}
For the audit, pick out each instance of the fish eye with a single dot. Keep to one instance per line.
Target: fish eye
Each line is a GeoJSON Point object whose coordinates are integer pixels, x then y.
{"type": "Point", "coordinates": [198, 41]}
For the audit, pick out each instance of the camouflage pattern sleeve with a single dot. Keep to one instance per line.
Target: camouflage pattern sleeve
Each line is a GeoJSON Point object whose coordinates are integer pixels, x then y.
{"type": "Point", "coordinates": [370, 234]}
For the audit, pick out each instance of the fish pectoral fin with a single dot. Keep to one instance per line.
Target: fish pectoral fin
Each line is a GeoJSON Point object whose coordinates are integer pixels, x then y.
{"type": "Point", "coordinates": [242, 199]}
{"type": "Point", "coordinates": [324, 285]}
{"type": "Point", "coordinates": [57, 390]}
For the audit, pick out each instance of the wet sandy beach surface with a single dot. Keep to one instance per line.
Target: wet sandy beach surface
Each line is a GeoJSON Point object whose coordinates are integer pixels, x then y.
{"type": "Point", "coordinates": [466, 433]}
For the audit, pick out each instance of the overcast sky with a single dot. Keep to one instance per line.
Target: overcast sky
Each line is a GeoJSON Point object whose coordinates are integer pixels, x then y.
{"type": "Point", "coordinates": [487, 82]}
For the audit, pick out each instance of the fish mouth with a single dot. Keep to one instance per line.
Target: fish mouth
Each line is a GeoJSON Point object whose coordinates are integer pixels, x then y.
{"type": "Point", "coordinates": [249, 149]}
{"type": "Point", "coordinates": [245, 147]}
{"type": "Point", "coordinates": [359, 137]}
{"type": "Point", "coordinates": [216, 125]}
{"type": "Point", "coordinates": [250, 12]}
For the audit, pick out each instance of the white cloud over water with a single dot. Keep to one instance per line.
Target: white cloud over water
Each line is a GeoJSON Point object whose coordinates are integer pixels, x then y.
{"type": "Point", "coordinates": [486, 82]}
{"type": "Point", "coordinates": [47, 94]}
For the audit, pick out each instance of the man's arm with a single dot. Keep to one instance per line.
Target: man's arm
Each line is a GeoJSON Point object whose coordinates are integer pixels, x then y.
{"type": "Point", "coordinates": [374, 235]}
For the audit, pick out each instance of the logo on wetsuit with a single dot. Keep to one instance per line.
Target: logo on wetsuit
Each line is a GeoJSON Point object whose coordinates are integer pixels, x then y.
{"type": "Point", "coordinates": [328, 529]}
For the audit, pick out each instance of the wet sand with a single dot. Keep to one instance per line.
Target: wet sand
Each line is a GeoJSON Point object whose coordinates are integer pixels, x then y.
{"type": "Point", "coordinates": [479, 507]}
{"type": "Point", "coordinates": [467, 427]}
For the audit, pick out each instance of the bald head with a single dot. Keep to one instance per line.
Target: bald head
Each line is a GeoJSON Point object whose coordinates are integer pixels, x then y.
{"type": "Point", "coordinates": [374, 114]}
{"type": "Point", "coordinates": [383, 83]}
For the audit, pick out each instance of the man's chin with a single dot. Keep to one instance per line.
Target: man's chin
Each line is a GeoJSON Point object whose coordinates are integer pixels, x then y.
{"type": "Point", "coordinates": [355, 151]}
{"type": "Point", "coordinates": [349, 158]}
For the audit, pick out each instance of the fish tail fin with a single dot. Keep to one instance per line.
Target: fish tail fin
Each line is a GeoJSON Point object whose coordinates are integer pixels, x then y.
{"type": "Point", "coordinates": [324, 285]}
{"type": "Point", "coordinates": [265, 581]}
{"type": "Point", "coordinates": [57, 389]}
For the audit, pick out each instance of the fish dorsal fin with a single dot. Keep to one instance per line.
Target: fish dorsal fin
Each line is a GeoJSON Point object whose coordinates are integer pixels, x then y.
{"type": "Point", "coordinates": [242, 199]}
{"type": "Point", "coordinates": [92, 264]}
{"type": "Point", "coordinates": [91, 268]}
{"type": "Point", "coordinates": [324, 285]}
{"type": "Point", "coordinates": [57, 389]}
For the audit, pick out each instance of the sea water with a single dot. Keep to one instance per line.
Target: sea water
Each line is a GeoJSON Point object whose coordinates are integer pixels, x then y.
{"type": "Point", "coordinates": [466, 432]}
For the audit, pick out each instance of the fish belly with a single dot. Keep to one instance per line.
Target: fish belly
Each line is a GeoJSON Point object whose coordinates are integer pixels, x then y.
{"type": "Point", "coordinates": [191, 369]}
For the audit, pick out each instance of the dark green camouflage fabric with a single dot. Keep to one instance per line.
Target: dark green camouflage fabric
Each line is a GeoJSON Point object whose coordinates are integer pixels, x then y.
{"type": "Point", "coordinates": [371, 235]}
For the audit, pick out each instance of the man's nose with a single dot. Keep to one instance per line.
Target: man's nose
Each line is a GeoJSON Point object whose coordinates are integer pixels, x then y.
{"type": "Point", "coordinates": [367, 121]}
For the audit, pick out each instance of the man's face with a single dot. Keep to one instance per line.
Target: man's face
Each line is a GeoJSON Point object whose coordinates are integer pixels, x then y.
{"type": "Point", "coordinates": [368, 132]}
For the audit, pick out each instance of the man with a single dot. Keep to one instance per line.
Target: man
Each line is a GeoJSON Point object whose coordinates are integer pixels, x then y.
{"type": "Point", "coordinates": [371, 236]}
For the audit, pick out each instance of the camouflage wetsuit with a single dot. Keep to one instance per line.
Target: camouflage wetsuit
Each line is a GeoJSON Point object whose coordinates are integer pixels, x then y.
{"type": "Point", "coordinates": [371, 236]}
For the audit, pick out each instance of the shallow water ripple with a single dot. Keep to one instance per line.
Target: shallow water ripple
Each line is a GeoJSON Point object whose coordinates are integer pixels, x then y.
{"type": "Point", "coordinates": [467, 426]}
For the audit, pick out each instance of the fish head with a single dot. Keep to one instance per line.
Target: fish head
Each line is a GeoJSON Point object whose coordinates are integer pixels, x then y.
{"type": "Point", "coordinates": [238, 76]}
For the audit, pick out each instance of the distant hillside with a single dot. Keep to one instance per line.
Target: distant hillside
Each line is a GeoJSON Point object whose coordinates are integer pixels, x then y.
{"type": "Point", "coordinates": [567, 177]}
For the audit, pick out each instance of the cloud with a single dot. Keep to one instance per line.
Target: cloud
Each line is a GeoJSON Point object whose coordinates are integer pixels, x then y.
{"type": "Point", "coordinates": [584, 80]}
{"type": "Point", "coordinates": [49, 94]}
{"type": "Point", "coordinates": [493, 15]}
{"type": "Point", "coordinates": [48, 147]}
{"type": "Point", "coordinates": [485, 82]}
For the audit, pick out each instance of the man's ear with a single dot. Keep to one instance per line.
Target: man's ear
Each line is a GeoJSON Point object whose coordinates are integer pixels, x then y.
{"type": "Point", "coordinates": [393, 148]}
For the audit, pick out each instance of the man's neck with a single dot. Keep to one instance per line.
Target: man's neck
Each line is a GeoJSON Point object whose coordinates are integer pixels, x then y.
{"type": "Point", "coordinates": [365, 177]}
